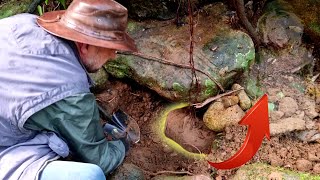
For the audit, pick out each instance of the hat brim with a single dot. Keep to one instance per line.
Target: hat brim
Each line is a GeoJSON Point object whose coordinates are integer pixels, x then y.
{"type": "Point", "coordinates": [48, 21]}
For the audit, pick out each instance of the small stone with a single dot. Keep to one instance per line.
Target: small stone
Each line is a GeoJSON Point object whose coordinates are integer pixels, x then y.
{"type": "Point", "coordinates": [315, 138]}
{"type": "Point", "coordinates": [299, 114]}
{"type": "Point", "coordinates": [276, 115]}
{"type": "Point", "coordinates": [290, 78]}
{"type": "Point", "coordinates": [316, 168]}
{"type": "Point", "coordinates": [310, 108]}
{"type": "Point", "coordinates": [275, 175]}
{"type": "Point", "coordinates": [313, 157]}
{"type": "Point", "coordinates": [283, 152]}
{"type": "Point", "coordinates": [303, 165]}
{"type": "Point", "coordinates": [273, 94]}
{"type": "Point", "coordinates": [275, 160]}
{"type": "Point", "coordinates": [308, 135]}
{"type": "Point", "coordinates": [310, 124]}
{"type": "Point", "coordinates": [245, 102]}
{"type": "Point", "coordinates": [230, 101]}
{"type": "Point", "coordinates": [288, 105]}
{"type": "Point", "coordinates": [287, 125]}
{"type": "Point", "coordinates": [167, 149]}
{"type": "Point", "coordinates": [217, 117]}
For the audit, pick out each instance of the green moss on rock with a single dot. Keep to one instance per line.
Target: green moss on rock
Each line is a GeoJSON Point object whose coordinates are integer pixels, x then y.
{"type": "Point", "coordinates": [264, 171]}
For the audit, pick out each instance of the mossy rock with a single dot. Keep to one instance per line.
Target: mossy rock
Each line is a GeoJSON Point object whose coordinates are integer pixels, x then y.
{"type": "Point", "coordinates": [264, 171]}
{"type": "Point", "coordinates": [221, 54]}
{"type": "Point", "coordinates": [100, 79]}
{"type": "Point", "coordinates": [307, 10]}
{"type": "Point", "coordinates": [127, 171]}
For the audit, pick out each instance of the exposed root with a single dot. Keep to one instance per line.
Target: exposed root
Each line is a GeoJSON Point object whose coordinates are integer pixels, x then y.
{"type": "Point", "coordinates": [244, 20]}
{"type": "Point", "coordinates": [168, 172]}
{"type": "Point", "coordinates": [194, 147]}
{"type": "Point", "coordinates": [207, 101]}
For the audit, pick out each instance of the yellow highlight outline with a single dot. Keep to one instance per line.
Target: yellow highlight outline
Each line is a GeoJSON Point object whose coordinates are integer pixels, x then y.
{"type": "Point", "coordinates": [160, 127]}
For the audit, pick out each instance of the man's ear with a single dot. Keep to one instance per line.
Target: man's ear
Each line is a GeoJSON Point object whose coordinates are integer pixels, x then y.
{"type": "Point", "coordinates": [82, 48]}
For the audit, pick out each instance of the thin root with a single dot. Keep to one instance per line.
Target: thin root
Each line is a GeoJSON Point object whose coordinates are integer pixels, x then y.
{"type": "Point", "coordinates": [207, 101]}
{"type": "Point", "coordinates": [164, 61]}
{"type": "Point", "coordinates": [168, 172]}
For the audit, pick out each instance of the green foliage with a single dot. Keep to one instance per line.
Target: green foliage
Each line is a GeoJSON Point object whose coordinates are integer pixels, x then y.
{"type": "Point", "coordinates": [39, 8]}
{"type": "Point", "coordinates": [62, 2]}
{"type": "Point", "coordinates": [12, 7]}
{"type": "Point", "coordinates": [51, 5]}
{"type": "Point", "coordinates": [315, 27]}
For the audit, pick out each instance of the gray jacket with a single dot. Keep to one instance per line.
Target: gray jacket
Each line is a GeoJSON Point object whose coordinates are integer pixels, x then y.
{"type": "Point", "coordinates": [36, 70]}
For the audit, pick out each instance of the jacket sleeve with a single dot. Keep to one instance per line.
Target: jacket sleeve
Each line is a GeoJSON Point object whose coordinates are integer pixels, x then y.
{"type": "Point", "coordinates": [76, 120]}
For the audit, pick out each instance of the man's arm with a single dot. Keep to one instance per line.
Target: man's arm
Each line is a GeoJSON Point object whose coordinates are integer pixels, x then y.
{"type": "Point", "coordinates": [75, 119]}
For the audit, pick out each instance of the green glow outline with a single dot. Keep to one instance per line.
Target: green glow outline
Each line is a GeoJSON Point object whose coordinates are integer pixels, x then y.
{"type": "Point", "coordinates": [160, 126]}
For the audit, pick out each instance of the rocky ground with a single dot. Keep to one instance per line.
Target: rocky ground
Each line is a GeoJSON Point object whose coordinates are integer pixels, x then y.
{"type": "Point", "coordinates": [294, 126]}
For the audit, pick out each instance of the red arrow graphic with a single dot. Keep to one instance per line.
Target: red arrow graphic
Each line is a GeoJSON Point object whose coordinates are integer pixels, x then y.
{"type": "Point", "coordinates": [258, 121]}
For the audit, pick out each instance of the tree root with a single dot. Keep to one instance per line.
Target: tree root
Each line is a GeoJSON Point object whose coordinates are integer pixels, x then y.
{"type": "Point", "coordinates": [244, 20]}
{"type": "Point", "coordinates": [168, 172]}
{"type": "Point", "coordinates": [207, 101]}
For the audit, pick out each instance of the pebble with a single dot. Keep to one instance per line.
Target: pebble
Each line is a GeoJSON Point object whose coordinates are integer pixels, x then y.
{"type": "Point", "coordinates": [229, 101]}
{"type": "Point", "coordinates": [310, 108]}
{"type": "Point", "coordinates": [299, 114]}
{"type": "Point", "coordinates": [308, 135]}
{"type": "Point", "coordinates": [276, 115]}
{"type": "Point", "coordinates": [303, 165]}
{"type": "Point", "coordinates": [244, 100]}
{"type": "Point", "coordinates": [275, 175]}
{"type": "Point", "coordinates": [167, 149]}
{"type": "Point", "coordinates": [276, 160]}
{"type": "Point", "coordinates": [313, 157]}
{"type": "Point", "coordinates": [316, 168]}
{"type": "Point", "coordinates": [288, 105]}
{"type": "Point", "coordinates": [283, 152]}
{"type": "Point", "coordinates": [287, 125]}
{"type": "Point", "coordinates": [310, 124]}
{"type": "Point", "coordinates": [273, 94]}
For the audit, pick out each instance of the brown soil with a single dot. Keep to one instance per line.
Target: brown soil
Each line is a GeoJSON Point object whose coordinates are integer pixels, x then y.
{"type": "Point", "coordinates": [189, 131]}
{"type": "Point", "coordinates": [152, 156]}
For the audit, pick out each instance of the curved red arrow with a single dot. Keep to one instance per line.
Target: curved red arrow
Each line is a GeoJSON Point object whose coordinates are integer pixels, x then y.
{"type": "Point", "coordinates": [258, 121]}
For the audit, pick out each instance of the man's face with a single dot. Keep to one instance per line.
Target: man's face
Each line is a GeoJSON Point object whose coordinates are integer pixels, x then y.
{"type": "Point", "coordinates": [96, 57]}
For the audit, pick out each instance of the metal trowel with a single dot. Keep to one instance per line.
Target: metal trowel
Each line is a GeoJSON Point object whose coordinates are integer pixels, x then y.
{"type": "Point", "coordinates": [120, 126]}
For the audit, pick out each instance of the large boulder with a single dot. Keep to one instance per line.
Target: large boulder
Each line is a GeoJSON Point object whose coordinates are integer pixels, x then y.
{"type": "Point", "coordinates": [283, 30]}
{"type": "Point", "coordinates": [308, 11]}
{"type": "Point", "coordinates": [220, 53]}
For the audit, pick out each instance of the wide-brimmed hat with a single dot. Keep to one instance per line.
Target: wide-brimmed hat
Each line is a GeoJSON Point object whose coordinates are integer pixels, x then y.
{"type": "Point", "coordinates": [100, 23]}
